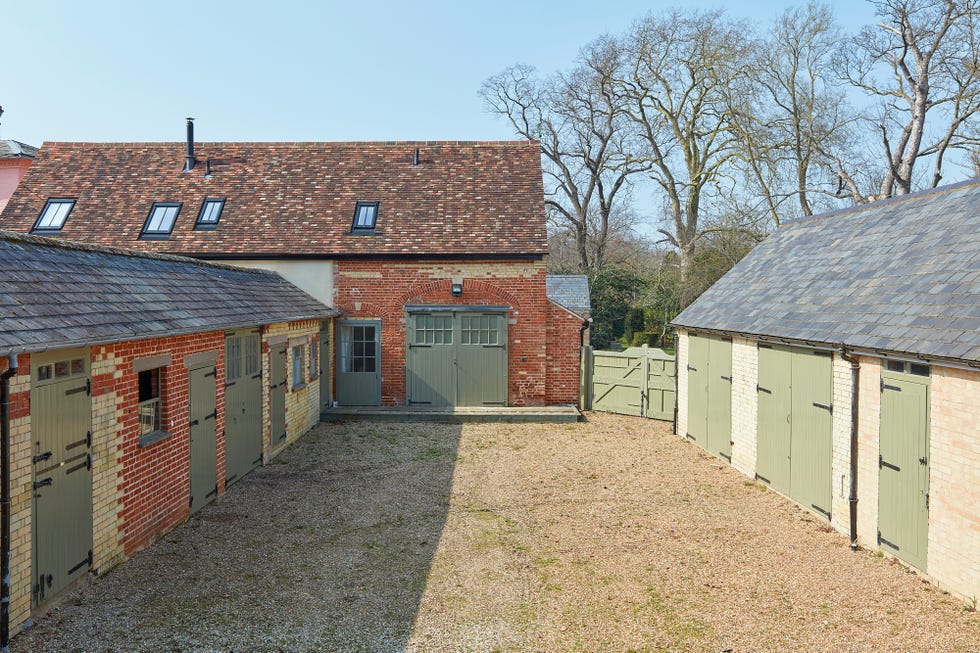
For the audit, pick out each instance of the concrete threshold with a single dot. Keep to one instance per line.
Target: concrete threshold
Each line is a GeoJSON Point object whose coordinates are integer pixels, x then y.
{"type": "Point", "coordinates": [452, 414]}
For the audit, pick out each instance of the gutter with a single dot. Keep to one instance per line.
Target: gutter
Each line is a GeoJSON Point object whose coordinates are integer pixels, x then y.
{"type": "Point", "coordinates": [5, 502]}
{"type": "Point", "coordinates": [852, 499]}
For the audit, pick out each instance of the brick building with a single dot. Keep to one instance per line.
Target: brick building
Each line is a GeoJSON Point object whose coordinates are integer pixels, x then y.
{"type": "Point", "coordinates": [433, 252]}
{"type": "Point", "coordinates": [136, 386]}
{"type": "Point", "coordinates": [839, 363]}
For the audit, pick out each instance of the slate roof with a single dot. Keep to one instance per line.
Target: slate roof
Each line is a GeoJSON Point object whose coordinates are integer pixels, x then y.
{"type": "Point", "coordinates": [17, 150]}
{"type": "Point", "coordinates": [570, 291]}
{"type": "Point", "coordinates": [901, 275]}
{"type": "Point", "coordinates": [58, 294]}
{"type": "Point", "coordinates": [297, 199]}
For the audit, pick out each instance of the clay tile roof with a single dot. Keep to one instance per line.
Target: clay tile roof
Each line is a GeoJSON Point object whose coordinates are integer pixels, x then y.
{"type": "Point", "coordinates": [297, 199]}
{"type": "Point", "coordinates": [59, 294]}
{"type": "Point", "coordinates": [901, 275]}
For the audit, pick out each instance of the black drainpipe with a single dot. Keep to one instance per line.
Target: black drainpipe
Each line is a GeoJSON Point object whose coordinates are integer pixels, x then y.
{"type": "Point", "coordinates": [852, 498]}
{"type": "Point", "coordinates": [5, 502]}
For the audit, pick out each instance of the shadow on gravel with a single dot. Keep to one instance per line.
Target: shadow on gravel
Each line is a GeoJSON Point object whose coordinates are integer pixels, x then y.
{"type": "Point", "coordinates": [326, 549]}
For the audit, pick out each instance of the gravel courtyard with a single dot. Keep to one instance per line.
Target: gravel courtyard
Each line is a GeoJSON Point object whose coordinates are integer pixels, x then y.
{"type": "Point", "coordinates": [606, 535]}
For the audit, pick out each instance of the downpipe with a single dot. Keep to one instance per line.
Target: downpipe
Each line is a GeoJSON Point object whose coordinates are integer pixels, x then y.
{"type": "Point", "coordinates": [5, 502]}
{"type": "Point", "coordinates": [852, 499]}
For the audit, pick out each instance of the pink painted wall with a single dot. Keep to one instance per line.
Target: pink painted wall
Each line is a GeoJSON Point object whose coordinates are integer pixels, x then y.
{"type": "Point", "coordinates": [11, 172]}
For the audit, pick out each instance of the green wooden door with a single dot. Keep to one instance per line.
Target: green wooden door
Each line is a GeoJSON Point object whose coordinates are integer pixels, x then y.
{"type": "Point", "coordinates": [431, 360]}
{"type": "Point", "coordinates": [61, 422]}
{"type": "Point", "coordinates": [457, 358]}
{"type": "Point", "coordinates": [325, 372]}
{"type": "Point", "coordinates": [277, 392]}
{"type": "Point", "coordinates": [481, 360]}
{"type": "Point", "coordinates": [203, 445]}
{"type": "Point", "coordinates": [719, 398]}
{"type": "Point", "coordinates": [810, 448]}
{"type": "Point", "coordinates": [359, 356]}
{"type": "Point", "coordinates": [775, 404]}
{"type": "Point", "coordinates": [903, 476]}
{"type": "Point", "coordinates": [698, 355]}
{"type": "Point", "coordinates": [243, 402]}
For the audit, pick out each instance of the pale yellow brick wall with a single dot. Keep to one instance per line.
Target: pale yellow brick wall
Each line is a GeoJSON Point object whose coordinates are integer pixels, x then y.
{"type": "Point", "coordinates": [745, 404]}
{"type": "Point", "coordinates": [954, 485]}
{"type": "Point", "coordinates": [869, 419]}
{"type": "Point", "coordinates": [303, 403]}
{"type": "Point", "coordinates": [840, 476]}
{"type": "Point", "coordinates": [682, 358]}
{"type": "Point", "coordinates": [21, 507]}
{"type": "Point", "coordinates": [107, 466]}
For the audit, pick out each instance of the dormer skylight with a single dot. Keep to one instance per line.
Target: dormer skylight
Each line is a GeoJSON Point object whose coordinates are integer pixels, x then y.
{"type": "Point", "coordinates": [55, 213]}
{"type": "Point", "coordinates": [210, 213]}
{"type": "Point", "coordinates": [161, 220]}
{"type": "Point", "coordinates": [365, 217]}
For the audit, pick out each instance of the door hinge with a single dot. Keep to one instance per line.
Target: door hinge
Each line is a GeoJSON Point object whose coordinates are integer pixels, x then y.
{"type": "Point", "coordinates": [923, 461]}
{"type": "Point", "coordinates": [39, 484]}
{"type": "Point", "coordinates": [691, 369]}
{"type": "Point", "coordinates": [829, 408]}
{"type": "Point", "coordinates": [41, 457]}
{"type": "Point", "coordinates": [726, 378]}
{"type": "Point", "coordinates": [759, 388]}
{"type": "Point", "coordinates": [882, 463]}
{"type": "Point", "coordinates": [885, 386]}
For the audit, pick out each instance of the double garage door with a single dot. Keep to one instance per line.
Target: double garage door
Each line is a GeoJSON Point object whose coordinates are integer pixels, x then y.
{"type": "Point", "coordinates": [457, 357]}
{"type": "Point", "coordinates": [795, 424]}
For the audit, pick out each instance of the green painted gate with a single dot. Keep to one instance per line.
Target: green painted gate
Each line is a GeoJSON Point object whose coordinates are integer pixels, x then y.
{"type": "Point", "coordinates": [277, 392]}
{"type": "Point", "coordinates": [709, 383]}
{"type": "Point", "coordinates": [243, 402]}
{"type": "Point", "coordinates": [638, 381]}
{"type": "Point", "coordinates": [903, 476]}
{"type": "Point", "coordinates": [794, 439]}
{"type": "Point", "coordinates": [203, 436]}
{"type": "Point", "coordinates": [359, 368]}
{"type": "Point", "coordinates": [457, 357]}
{"type": "Point", "coordinates": [61, 422]}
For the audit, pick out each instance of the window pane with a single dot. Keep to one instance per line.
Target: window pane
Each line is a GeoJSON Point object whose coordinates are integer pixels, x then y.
{"type": "Point", "coordinates": [44, 373]}
{"type": "Point", "coordinates": [149, 384]}
{"type": "Point", "coordinates": [78, 366]}
{"type": "Point", "coordinates": [55, 213]}
{"type": "Point", "coordinates": [211, 211]}
{"type": "Point", "coordinates": [60, 369]}
{"type": "Point", "coordinates": [253, 364]}
{"type": "Point", "coordinates": [233, 358]}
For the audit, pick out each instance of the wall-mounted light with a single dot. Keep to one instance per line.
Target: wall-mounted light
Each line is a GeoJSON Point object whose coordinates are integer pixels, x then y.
{"type": "Point", "coordinates": [457, 288]}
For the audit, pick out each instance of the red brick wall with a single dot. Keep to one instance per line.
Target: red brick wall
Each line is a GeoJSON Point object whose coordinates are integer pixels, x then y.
{"type": "Point", "coordinates": [155, 478]}
{"type": "Point", "coordinates": [381, 289]}
{"type": "Point", "coordinates": [19, 402]}
{"type": "Point", "coordinates": [564, 362]}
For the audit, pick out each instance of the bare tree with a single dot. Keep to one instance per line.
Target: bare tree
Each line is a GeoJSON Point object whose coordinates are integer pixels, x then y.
{"type": "Point", "coordinates": [675, 87]}
{"type": "Point", "coordinates": [921, 64]}
{"type": "Point", "coordinates": [578, 121]}
{"type": "Point", "coordinates": [790, 112]}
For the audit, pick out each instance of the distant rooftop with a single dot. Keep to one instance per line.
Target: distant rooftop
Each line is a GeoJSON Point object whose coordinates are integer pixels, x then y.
{"type": "Point", "coordinates": [570, 291]}
{"type": "Point", "coordinates": [16, 150]}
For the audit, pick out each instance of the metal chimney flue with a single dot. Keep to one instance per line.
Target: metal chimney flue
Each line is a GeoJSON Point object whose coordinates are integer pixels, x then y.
{"type": "Point", "coordinates": [189, 163]}
{"type": "Point", "coordinates": [415, 159]}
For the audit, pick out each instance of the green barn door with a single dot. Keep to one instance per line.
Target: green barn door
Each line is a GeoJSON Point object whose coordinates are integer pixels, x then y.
{"type": "Point", "coordinates": [431, 360]}
{"type": "Point", "coordinates": [359, 354]}
{"type": "Point", "coordinates": [903, 476]}
{"type": "Point", "coordinates": [277, 392]}
{"type": "Point", "coordinates": [243, 403]}
{"type": "Point", "coordinates": [61, 422]}
{"type": "Point", "coordinates": [481, 360]}
{"type": "Point", "coordinates": [204, 445]}
{"type": "Point", "coordinates": [810, 450]}
{"type": "Point", "coordinates": [698, 356]}
{"type": "Point", "coordinates": [324, 362]}
{"type": "Point", "coordinates": [774, 434]}
{"type": "Point", "coordinates": [719, 418]}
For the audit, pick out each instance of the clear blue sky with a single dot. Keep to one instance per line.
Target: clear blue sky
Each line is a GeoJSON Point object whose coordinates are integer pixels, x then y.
{"type": "Point", "coordinates": [292, 71]}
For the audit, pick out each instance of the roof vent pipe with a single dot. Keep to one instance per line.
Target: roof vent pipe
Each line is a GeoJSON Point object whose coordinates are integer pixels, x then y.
{"type": "Point", "coordinates": [189, 164]}
{"type": "Point", "coordinates": [415, 159]}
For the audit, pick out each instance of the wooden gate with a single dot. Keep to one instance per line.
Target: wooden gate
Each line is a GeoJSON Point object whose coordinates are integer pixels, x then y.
{"type": "Point", "coordinates": [203, 436]}
{"type": "Point", "coordinates": [638, 381]}
{"type": "Point", "coordinates": [61, 422]}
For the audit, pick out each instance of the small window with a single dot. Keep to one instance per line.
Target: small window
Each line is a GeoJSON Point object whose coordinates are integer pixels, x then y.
{"type": "Point", "coordinates": [161, 220]}
{"type": "Point", "coordinates": [233, 359]}
{"type": "Point", "coordinates": [149, 401]}
{"type": "Point", "coordinates": [433, 329]}
{"type": "Point", "coordinates": [314, 360]}
{"type": "Point", "coordinates": [365, 217]}
{"type": "Point", "coordinates": [53, 216]}
{"type": "Point", "coordinates": [298, 367]}
{"type": "Point", "coordinates": [895, 366]}
{"type": "Point", "coordinates": [918, 370]}
{"type": "Point", "coordinates": [210, 213]}
{"type": "Point", "coordinates": [480, 329]}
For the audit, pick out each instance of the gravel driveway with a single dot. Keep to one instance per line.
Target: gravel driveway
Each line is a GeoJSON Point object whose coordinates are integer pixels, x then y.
{"type": "Point", "coordinates": [608, 535]}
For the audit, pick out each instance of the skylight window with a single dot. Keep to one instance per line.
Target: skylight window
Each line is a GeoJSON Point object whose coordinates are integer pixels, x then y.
{"type": "Point", "coordinates": [365, 217]}
{"type": "Point", "coordinates": [161, 220]}
{"type": "Point", "coordinates": [210, 213]}
{"type": "Point", "coordinates": [53, 216]}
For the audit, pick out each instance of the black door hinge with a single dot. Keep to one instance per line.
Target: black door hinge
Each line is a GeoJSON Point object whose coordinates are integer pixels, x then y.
{"type": "Point", "coordinates": [882, 463]}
